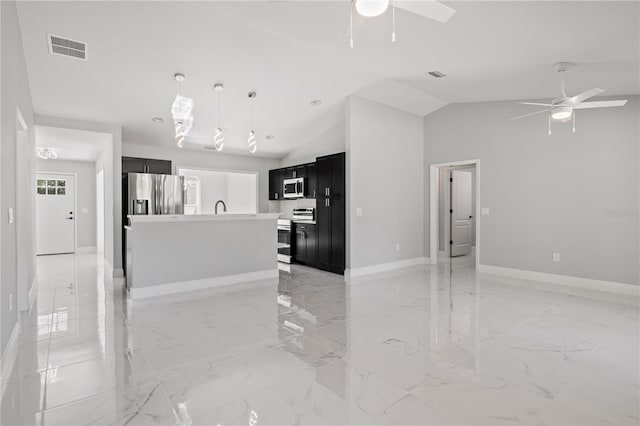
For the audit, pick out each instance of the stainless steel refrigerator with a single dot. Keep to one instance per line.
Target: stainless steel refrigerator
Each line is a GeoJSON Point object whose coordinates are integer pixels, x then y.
{"type": "Point", "coordinates": [150, 194]}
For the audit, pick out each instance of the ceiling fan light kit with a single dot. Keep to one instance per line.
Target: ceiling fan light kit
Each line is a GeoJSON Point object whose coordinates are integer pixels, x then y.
{"type": "Point", "coordinates": [430, 9]}
{"type": "Point", "coordinates": [563, 109]}
{"type": "Point", "coordinates": [371, 8]}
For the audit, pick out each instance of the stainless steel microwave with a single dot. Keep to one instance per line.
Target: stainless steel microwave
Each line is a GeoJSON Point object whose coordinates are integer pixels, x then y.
{"type": "Point", "coordinates": [293, 188]}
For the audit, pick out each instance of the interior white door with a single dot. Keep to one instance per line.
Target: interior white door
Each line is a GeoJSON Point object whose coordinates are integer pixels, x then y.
{"type": "Point", "coordinates": [461, 213]}
{"type": "Point", "coordinates": [55, 214]}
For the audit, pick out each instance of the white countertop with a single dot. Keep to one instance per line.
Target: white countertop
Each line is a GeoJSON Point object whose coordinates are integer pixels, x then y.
{"type": "Point", "coordinates": [201, 217]}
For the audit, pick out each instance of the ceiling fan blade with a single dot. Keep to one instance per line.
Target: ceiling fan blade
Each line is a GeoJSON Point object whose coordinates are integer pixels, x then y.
{"type": "Point", "coordinates": [428, 8]}
{"type": "Point", "coordinates": [532, 113]}
{"type": "Point", "coordinates": [584, 96]}
{"type": "Point", "coordinates": [535, 103]}
{"type": "Point", "coordinates": [600, 104]}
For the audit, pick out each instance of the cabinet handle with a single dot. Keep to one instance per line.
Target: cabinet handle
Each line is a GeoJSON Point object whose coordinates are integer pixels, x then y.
{"type": "Point", "coordinates": [328, 192]}
{"type": "Point", "coordinates": [276, 195]}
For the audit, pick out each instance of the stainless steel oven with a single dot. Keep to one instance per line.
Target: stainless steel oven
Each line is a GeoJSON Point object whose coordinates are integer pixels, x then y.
{"type": "Point", "coordinates": [293, 188]}
{"type": "Point", "coordinates": [284, 240]}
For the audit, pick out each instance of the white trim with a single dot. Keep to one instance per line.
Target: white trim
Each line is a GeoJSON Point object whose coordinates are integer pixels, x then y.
{"type": "Point", "coordinates": [22, 124]}
{"type": "Point", "coordinates": [108, 268]}
{"type": "Point", "coordinates": [117, 273]}
{"type": "Point", "coordinates": [86, 249]}
{"type": "Point", "coordinates": [565, 280]}
{"type": "Point", "coordinates": [384, 267]}
{"type": "Point", "coordinates": [181, 287]}
{"type": "Point", "coordinates": [433, 206]}
{"type": "Point", "coordinates": [9, 357]}
{"type": "Point", "coordinates": [75, 203]}
{"type": "Point", "coordinates": [33, 292]}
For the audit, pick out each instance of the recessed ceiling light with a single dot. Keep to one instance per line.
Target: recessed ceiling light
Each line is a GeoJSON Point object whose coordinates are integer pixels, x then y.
{"type": "Point", "coordinates": [218, 87]}
{"type": "Point", "coordinates": [315, 102]}
{"type": "Point", "coordinates": [157, 120]}
{"type": "Point", "coordinates": [270, 137]}
{"type": "Point", "coordinates": [179, 76]}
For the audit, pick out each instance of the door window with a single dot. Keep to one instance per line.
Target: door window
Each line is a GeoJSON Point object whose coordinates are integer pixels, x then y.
{"type": "Point", "coordinates": [51, 186]}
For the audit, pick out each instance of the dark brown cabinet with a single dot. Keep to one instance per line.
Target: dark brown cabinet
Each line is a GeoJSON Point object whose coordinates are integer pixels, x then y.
{"type": "Point", "coordinates": [330, 209]}
{"type": "Point", "coordinates": [305, 243]}
{"type": "Point", "coordinates": [145, 165]}
{"type": "Point", "coordinates": [276, 179]}
{"type": "Point", "coordinates": [311, 181]}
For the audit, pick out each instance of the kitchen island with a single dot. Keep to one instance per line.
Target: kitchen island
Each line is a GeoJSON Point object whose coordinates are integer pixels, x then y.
{"type": "Point", "coordinates": [176, 253]}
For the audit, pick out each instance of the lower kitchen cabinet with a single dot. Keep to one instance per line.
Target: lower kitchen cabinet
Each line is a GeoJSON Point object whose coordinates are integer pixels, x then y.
{"type": "Point", "coordinates": [305, 243]}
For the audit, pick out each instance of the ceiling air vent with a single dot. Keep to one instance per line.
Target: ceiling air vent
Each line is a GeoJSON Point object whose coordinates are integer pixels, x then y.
{"type": "Point", "coordinates": [436, 74]}
{"type": "Point", "coordinates": [67, 47]}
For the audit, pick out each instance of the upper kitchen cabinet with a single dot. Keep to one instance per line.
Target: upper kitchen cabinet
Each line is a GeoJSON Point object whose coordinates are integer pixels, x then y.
{"type": "Point", "coordinates": [276, 179]}
{"type": "Point", "coordinates": [311, 180]}
{"type": "Point", "coordinates": [145, 165]}
{"type": "Point", "coordinates": [306, 171]}
{"type": "Point", "coordinates": [330, 209]}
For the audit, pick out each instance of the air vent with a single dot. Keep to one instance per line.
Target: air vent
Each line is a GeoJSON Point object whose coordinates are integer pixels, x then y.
{"type": "Point", "coordinates": [67, 47]}
{"type": "Point", "coordinates": [436, 74]}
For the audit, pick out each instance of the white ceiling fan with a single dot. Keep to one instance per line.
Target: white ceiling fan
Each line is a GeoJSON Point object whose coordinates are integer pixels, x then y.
{"type": "Point", "coordinates": [430, 9]}
{"type": "Point", "coordinates": [563, 109]}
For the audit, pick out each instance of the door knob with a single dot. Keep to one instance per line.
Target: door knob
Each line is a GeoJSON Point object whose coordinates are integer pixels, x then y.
{"type": "Point", "coordinates": [70, 218]}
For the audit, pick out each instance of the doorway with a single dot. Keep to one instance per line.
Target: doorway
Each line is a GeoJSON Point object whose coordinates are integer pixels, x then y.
{"type": "Point", "coordinates": [454, 212]}
{"type": "Point", "coordinates": [55, 213]}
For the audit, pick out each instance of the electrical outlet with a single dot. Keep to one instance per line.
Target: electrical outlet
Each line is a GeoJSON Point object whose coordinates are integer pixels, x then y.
{"type": "Point", "coordinates": [85, 210]}
{"type": "Point", "coordinates": [556, 257]}
{"type": "Point", "coordinates": [10, 302]}
{"type": "Point", "coordinates": [397, 246]}
{"type": "Point", "coordinates": [485, 211]}
{"type": "Point", "coordinates": [358, 211]}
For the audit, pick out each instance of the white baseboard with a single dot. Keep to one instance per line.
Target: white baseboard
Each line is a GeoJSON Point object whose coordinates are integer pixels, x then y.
{"type": "Point", "coordinates": [87, 249]}
{"type": "Point", "coordinates": [566, 280]}
{"type": "Point", "coordinates": [118, 273]}
{"type": "Point", "coordinates": [384, 267]}
{"type": "Point", "coordinates": [9, 357]}
{"type": "Point", "coordinates": [33, 292]}
{"type": "Point", "coordinates": [184, 286]}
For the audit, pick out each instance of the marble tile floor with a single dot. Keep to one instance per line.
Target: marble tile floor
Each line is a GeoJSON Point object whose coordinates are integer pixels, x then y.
{"type": "Point", "coordinates": [427, 345]}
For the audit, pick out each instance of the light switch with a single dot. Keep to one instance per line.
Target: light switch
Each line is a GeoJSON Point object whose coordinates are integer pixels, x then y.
{"type": "Point", "coordinates": [358, 211]}
{"type": "Point", "coordinates": [85, 210]}
{"type": "Point", "coordinates": [10, 215]}
{"type": "Point", "coordinates": [485, 211]}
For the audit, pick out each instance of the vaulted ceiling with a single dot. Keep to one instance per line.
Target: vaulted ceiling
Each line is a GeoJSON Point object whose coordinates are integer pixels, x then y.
{"type": "Point", "coordinates": [292, 52]}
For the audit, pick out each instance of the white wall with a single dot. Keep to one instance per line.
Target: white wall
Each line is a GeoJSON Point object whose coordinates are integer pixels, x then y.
{"type": "Point", "coordinates": [85, 195]}
{"type": "Point", "coordinates": [241, 193]}
{"type": "Point", "coordinates": [14, 92]}
{"type": "Point", "coordinates": [573, 194]}
{"type": "Point", "coordinates": [385, 174]}
{"type": "Point", "coordinates": [331, 141]}
{"type": "Point", "coordinates": [205, 159]}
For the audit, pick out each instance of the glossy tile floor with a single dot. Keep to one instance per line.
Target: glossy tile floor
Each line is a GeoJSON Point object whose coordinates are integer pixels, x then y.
{"type": "Point", "coordinates": [429, 345]}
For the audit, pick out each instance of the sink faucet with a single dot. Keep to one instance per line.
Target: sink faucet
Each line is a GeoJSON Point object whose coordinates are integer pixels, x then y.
{"type": "Point", "coordinates": [224, 206]}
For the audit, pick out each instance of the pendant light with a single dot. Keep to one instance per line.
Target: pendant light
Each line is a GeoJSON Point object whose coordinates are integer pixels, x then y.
{"type": "Point", "coordinates": [218, 139]}
{"type": "Point", "coordinates": [251, 141]}
{"type": "Point", "coordinates": [181, 112]}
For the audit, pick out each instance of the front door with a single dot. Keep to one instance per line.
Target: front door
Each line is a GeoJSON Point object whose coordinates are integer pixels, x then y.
{"type": "Point", "coordinates": [55, 214]}
{"type": "Point", "coordinates": [461, 214]}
